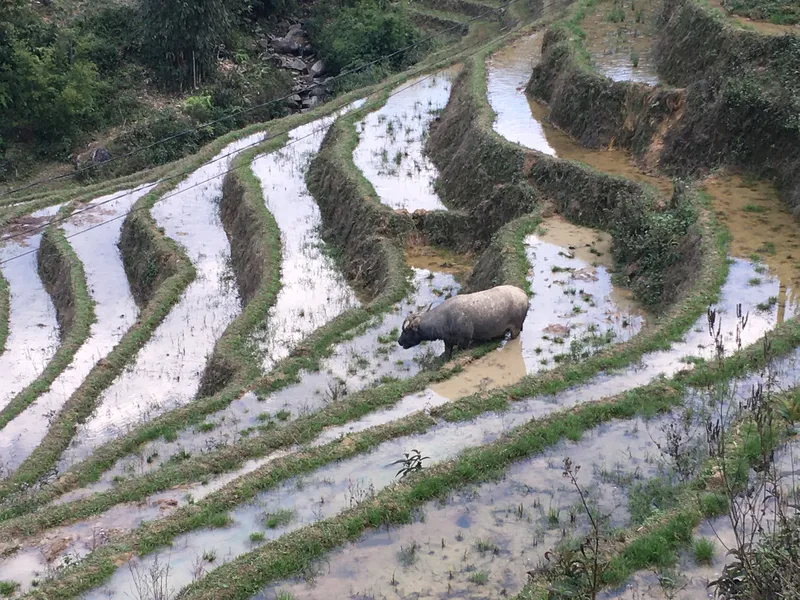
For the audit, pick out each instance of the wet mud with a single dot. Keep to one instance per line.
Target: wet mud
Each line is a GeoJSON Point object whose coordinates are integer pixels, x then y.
{"type": "Point", "coordinates": [619, 38]}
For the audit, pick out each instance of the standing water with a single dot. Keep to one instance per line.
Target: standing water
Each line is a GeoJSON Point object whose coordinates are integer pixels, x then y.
{"type": "Point", "coordinates": [168, 368]}
{"type": "Point", "coordinates": [33, 330]}
{"type": "Point", "coordinates": [508, 71]}
{"type": "Point", "coordinates": [114, 308]}
{"type": "Point", "coordinates": [313, 291]}
{"type": "Point", "coordinates": [392, 139]}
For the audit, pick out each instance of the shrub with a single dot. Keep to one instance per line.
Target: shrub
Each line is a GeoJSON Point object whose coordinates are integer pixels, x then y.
{"type": "Point", "coordinates": [361, 33]}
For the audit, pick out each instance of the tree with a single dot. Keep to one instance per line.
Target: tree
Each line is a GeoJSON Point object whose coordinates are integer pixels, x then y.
{"type": "Point", "coordinates": [182, 38]}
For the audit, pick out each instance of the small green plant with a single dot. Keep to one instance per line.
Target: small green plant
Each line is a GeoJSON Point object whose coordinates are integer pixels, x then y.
{"type": "Point", "coordinates": [264, 416]}
{"type": "Point", "coordinates": [754, 208]}
{"type": "Point", "coordinates": [278, 518]}
{"type": "Point", "coordinates": [772, 301]}
{"type": "Point", "coordinates": [408, 554]}
{"type": "Point", "coordinates": [617, 14]}
{"type": "Point", "coordinates": [256, 537]}
{"type": "Point", "coordinates": [703, 551]}
{"type": "Point", "coordinates": [766, 248]}
{"type": "Point", "coordinates": [209, 555]}
{"type": "Point", "coordinates": [484, 546]}
{"type": "Point", "coordinates": [754, 281]}
{"type": "Point", "coordinates": [283, 415]}
{"type": "Point", "coordinates": [553, 516]}
{"type": "Point", "coordinates": [412, 462]}
{"type": "Point", "coordinates": [479, 577]}
{"type": "Point", "coordinates": [635, 59]}
{"type": "Point", "coordinates": [206, 427]}
{"type": "Point", "coordinates": [282, 595]}
{"type": "Point", "coordinates": [8, 587]}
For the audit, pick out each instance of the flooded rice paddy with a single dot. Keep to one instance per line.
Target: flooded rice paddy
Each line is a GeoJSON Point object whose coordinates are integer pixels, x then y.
{"type": "Point", "coordinates": [114, 308]}
{"type": "Point", "coordinates": [313, 291]}
{"type": "Point", "coordinates": [167, 370]}
{"type": "Point", "coordinates": [392, 138]}
{"type": "Point", "coordinates": [33, 335]}
{"type": "Point", "coordinates": [477, 542]}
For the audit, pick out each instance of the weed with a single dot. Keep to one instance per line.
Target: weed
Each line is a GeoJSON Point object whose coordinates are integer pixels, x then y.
{"type": "Point", "coordinates": [754, 281]}
{"type": "Point", "coordinates": [8, 587]}
{"type": "Point", "coordinates": [408, 554]}
{"type": "Point", "coordinates": [703, 551]}
{"type": "Point", "coordinates": [283, 415]}
{"type": "Point", "coordinates": [479, 577]}
{"type": "Point", "coordinates": [553, 516]}
{"type": "Point", "coordinates": [209, 555]}
{"type": "Point", "coordinates": [754, 208]}
{"type": "Point", "coordinates": [256, 537]}
{"type": "Point", "coordinates": [766, 248]}
{"type": "Point", "coordinates": [412, 463]}
{"type": "Point", "coordinates": [635, 59]}
{"type": "Point", "coordinates": [206, 427]}
{"type": "Point", "coordinates": [284, 595]}
{"type": "Point", "coordinates": [772, 301]}
{"type": "Point", "coordinates": [278, 518]}
{"type": "Point", "coordinates": [484, 546]}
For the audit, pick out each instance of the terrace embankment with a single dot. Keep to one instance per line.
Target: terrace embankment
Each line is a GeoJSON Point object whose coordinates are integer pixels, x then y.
{"type": "Point", "coordinates": [483, 174]}
{"type": "Point", "coordinates": [742, 96]}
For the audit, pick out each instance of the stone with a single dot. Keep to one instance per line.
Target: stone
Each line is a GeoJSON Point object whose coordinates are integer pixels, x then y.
{"type": "Point", "coordinates": [285, 46]}
{"type": "Point", "coordinates": [294, 101]}
{"type": "Point", "coordinates": [294, 30]}
{"type": "Point", "coordinates": [319, 91]}
{"type": "Point", "coordinates": [311, 102]}
{"type": "Point", "coordinates": [318, 68]}
{"type": "Point", "coordinates": [557, 329]}
{"type": "Point", "coordinates": [263, 43]}
{"type": "Point", "coordinates": [100, 155]}
{"type": "Point", "coordinates": [295, 64]}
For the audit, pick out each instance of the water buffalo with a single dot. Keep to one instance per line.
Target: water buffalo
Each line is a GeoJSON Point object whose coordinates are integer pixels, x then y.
{"type": "Point", "coordinates": [477, 317]}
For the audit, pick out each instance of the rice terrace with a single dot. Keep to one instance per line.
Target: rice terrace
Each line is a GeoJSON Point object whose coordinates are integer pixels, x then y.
{"type": "Point", "coordinates": [428, 299]}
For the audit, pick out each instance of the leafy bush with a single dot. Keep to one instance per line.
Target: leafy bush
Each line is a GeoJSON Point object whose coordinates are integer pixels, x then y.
{"type": "Point", "coordinates": [362, 32]}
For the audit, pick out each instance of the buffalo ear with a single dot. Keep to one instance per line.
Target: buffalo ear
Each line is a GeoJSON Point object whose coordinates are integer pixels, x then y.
{"type": "Point", "coordinates": [405, 324]}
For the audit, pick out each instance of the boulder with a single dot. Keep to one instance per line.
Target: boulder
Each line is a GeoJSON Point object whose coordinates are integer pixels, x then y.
{"type": "Point", "coordinates": [311, 102]}
{"type": "Point", "coordinates": [289, 62]}
{"type": "Point", "coordinates": [263, 43]}
{"type": "Point", "coordinates": [295, 30]}
{"type": "Point", "coordinates": [294, 101]}
{"type": "Point", "coordinates": [100, 155]}
{"type": "Point", "coordinates": [319, 91]}
{"type": "Point", "coordinates": [317, 69]}
{"type": "Point", "coordinates": [285, 46]}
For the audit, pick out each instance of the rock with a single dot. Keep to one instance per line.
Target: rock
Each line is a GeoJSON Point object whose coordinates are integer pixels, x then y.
{"type": "Point", "coordinates": [294, 30]}
{"type": "Point", "coordinates": [285, 46]}
{"type": "Point", "coordinates": [317, 69]}
{"type": "Point", "coordinates": [311, 102]}
{"type": "Point", "coordinates": [100, 155]}
{"type": "Point", "coordinates": [306, 50]}
{"type": "Point", "coordinates": [293, 63]}
{"type": "Point", "coordinates": [319, 91]}
{"type": "Point", "coordinates": [557, 329]}
{"type": "Point", "coordinates": [263, 43]}
{"type": "Point", "coordinates": [294, 101]}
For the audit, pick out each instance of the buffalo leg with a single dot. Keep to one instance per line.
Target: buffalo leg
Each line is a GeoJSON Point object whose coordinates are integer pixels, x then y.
{"type": "Point", "coordinates": [512, 329]}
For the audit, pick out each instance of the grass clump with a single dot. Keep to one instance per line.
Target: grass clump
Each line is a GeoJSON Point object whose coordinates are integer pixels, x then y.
{"type": "Point", "coordinates": [703, 550]}
{"type": "Point", "coordinates": [479, 577]}
{"type": "Point", "coordinates": [8, 587]}
{"type": "Point", "coordinates": [408, 554]}
{"type": "Point", "coordinates": [257, 537]}
{"type": "Point", "coordinates": [278, 518]}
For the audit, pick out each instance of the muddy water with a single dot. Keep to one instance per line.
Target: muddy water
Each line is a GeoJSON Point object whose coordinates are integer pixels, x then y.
{"type": "Point", "coordinates": [693, 579]}
{"type": "Point", "coordinates": [508, 71]}
{"type": "Point", "coordinates": [390, 150]}
{"type": "Point", "coordinates": [168, 368]}
{"type": "Point", "coordinates": [115, 311]}
{"type": "Point", "coordinates": [523, 120]}
{"type": "Point", "coordinates": [500, 530]}
{"type": "Point", "coordinates": [574, 312]}
{"type": "Point", "coordinates": [622, 50]}
{"type": "Point", "coordinates": [762, 231]}
{"type": "Point", "coordinates": [33, 334]}
{"type": "Point", "coordinates": [354, 364]}
{"type": "Point", "coordinates": [321, 495]}
{"type": "Point", "coordinates": [313, 291]}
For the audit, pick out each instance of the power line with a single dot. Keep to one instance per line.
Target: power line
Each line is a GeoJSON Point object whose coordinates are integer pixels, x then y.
{"type": "Point", "coordinates": [175, 193]}
{"type": "Point", "coordinates": [256, 107]}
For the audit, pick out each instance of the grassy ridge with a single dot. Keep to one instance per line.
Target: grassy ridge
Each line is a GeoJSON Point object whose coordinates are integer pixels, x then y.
{"type": "Point", "coordinates": [5, 303]}
{"type": "Point", "coordinates": [64, 278]}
